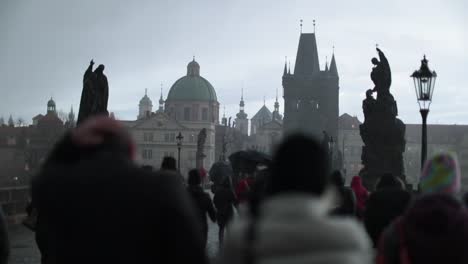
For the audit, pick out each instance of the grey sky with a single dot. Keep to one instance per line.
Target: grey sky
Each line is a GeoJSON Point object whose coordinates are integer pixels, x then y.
{"type": "Point", "coordinates": [46, 46]}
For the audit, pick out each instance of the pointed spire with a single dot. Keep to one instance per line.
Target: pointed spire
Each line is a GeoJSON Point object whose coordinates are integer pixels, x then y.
{"type": "Point", "coordinates": [326, 63]}
{"type": "Point", "coordinates": [314, 25]}
{"type": "Point", "coordinates": [307, 61]}
{"type": "Point", "coordinates": [276, 94]}
{"type": "Point", "coordinates": [285, 65]}
{"type": "Point", "coordinates": [289, 69]}
{"type": "Point", "coordinates": [161, 100]}
{"type": "Point", "coordinates": [333, 68]}
{"type": "Point", "coordinates": [263, 100]}
{"type": "Point", "coordinates": [301, 25]}
{"type": "Point", "coordinates": [146, 91]}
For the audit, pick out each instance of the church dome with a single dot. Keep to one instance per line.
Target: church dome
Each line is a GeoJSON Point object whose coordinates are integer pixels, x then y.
{"type": "Point", "coordinates": [146, 100]}
{"type": "Point", "coordinates": [51, 103]}
{"type": "Point", "coordinates": [192, 87]}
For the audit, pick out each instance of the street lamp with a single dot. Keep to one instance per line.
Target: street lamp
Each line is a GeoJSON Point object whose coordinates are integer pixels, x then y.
{"type": "Point", "coordinates": [424, 81]}
{"type": "Point", "coordinates": [179, 146]}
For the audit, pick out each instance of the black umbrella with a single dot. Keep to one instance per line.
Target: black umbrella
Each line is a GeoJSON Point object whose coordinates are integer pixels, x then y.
{"type": "Point", "coordinates": [247, 161]}
{"type": "Point", "coordinates": [220, 171]}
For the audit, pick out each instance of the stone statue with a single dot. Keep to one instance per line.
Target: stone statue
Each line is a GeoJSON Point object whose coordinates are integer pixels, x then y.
{"type": "Point", "coordinates": [95, 93]}
{"type": "Point", "coordinates": [381, 75]}
{"type": "Point", "coordinates": [200, 147]}
{"type": "Point", "coordinates": [382, 133]}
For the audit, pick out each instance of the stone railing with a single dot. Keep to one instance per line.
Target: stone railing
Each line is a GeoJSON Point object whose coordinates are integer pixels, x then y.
{"type": "Point", "coordinates": [14, 201]}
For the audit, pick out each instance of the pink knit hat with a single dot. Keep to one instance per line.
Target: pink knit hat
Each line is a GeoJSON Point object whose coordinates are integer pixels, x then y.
{"type": "Point", "coordinates": [441, 174]}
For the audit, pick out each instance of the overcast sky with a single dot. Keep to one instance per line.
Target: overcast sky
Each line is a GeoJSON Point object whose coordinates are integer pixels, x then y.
{"type": "Point", "coordinates": [46, 45]}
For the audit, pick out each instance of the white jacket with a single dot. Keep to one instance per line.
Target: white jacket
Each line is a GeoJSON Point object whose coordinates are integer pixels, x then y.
{"type": "Point", "coordinates": [295, 228]}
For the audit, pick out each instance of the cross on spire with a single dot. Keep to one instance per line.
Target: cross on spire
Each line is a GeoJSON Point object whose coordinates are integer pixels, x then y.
{"type": "Point", "coordinates": [314, 25]}
{"type": "Point", "coordinates": [146, 91]}
{"type": "Point", "coordinates": [301, 24]}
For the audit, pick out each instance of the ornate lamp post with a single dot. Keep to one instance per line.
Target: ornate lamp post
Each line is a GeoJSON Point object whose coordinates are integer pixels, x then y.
{"type": "Point", "coordinates": [179, 139]}
{"type": "Point", "coordinates": [424, 82]}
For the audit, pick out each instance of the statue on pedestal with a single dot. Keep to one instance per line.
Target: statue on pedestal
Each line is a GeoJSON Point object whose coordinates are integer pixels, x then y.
{"type": "Point", "coordinates": [382, 133]}
{"type": "Point", "coordinates": [95, 93]}
{"type": "Point", "coordinates": [200, 156]}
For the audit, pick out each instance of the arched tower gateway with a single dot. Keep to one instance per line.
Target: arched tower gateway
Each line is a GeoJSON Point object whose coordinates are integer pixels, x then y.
{"type": "Point", "coordinates": [192, 98]}
{"type": "Point", "coordinates": [145, 106]}
{"type": "Point", "coordinates": [311, 94]}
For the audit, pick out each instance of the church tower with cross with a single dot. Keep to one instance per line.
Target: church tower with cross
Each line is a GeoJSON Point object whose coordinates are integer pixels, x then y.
{"type": "Point", "coordinates": [310, 93]}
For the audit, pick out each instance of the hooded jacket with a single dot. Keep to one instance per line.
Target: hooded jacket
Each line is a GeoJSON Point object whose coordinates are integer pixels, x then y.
{"type": "Point", "coordinates": [295, 228]}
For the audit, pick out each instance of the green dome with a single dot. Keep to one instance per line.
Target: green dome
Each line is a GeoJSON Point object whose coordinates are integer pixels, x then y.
{"type": "Point", "coordinates": [192, 87]}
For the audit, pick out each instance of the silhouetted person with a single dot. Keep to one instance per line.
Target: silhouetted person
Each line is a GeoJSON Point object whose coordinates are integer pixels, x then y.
{"type": "Point", "coordinates": [95, 205]}
{"type": "Point", "coordinates": [224, 200]}
{"type": "Point", "coordinates": [294, 225]}
{"type": "Point", "coordinates": [384, 205]}
{"type": "Point", "coordinates": [346, 205]}
{"type": "Point", "coordinates": [95, 94]}
{"type": "Point", "coordinates": [169, 163]}
{"type": "Point", "coordinates": [202, 202]}
{"type": "Point", "coordinates": [4, 241]}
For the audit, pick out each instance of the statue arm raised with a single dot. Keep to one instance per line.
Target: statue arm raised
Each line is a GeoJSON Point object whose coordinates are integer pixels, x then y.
{"type": "Point", "coordinates": [385, 66]}
{"type": "Point", "coordinates": [89, 70]}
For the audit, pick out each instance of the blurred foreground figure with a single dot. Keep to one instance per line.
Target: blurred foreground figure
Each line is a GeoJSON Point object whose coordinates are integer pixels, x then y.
{"type": "Point", "coordinates": [96, 206]}
{"type": "Point", "coordinates": [385, 204]}
{"type": "Point", "coordinates": [4, 241]}
{"type": "Point", "coordinates": [434, 229]}
{"type": "Point", "coordinates": [95, 93]}
{"type": "Point", "coordinates": [292, 224]}
{"type": "Point", "coordinates": [202, 201]}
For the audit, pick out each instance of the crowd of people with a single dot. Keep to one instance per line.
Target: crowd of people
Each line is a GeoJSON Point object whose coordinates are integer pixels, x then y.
{"type": "Point", "coordinates": [93, 204]}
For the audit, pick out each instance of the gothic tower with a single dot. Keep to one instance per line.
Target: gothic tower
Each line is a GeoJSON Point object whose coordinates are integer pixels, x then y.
{"type": "Point", "coordinates": [145, 106]}
{"type": "Point", "coordinates": [310, 94]}
{"type": "Point", "coordinates": [242, 123]}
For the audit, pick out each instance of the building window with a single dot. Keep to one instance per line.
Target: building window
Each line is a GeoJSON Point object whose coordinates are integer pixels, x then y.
{"type": "Point", "coordinates": [169, 137]}
{"type": "Point", "coordinates": [148, 137]}
{"type": "Point", "coordinates": [168, 153]}
{"type": "Point", "coordinates": [147, 154]}
{"type": "Point", "coordinates": [187, 113]}
{"type": "Point", "coordinates": [205, 114]}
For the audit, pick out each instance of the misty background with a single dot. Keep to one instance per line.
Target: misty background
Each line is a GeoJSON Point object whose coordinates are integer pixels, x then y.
{"type": "Point", "coordinates": [46, 46]}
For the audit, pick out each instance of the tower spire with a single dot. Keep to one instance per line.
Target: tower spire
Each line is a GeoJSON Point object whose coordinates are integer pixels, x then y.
{"type": "Point", "coordinates": [301, 25]}
{"type": "Point", "coordinates": [289, 69]}
{"type": "Point", "coordinates": [161, 100]}
{"type": "Point", "coordinates": [326, 63]}
{"type": "Point", "coordinates": [285, 65]}
{"type": "Point", "coordinates": [314, 25]}
{"type": "Point", "coordinates": [146, 91]}
{"type": "Point", "coordinates": [333, 68]}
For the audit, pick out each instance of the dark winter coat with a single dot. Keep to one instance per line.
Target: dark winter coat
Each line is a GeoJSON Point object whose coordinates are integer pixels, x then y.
{"type": "Point", "coordinates": [224, 201]}
{"type": "Point", "coordinates": [384, 206]}
{"type": "Point", "coordinates": [97, 206]}
{"type": "Point", "coordinates": [347, 204]}
{"type": "Point", "coordinates": [203, 205]}
{"type": "Point", "coordinates": [434, 230]}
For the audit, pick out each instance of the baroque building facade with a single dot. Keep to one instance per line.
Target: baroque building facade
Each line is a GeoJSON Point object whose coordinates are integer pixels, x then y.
{"type": "Point", "coordinates": [191, 105]}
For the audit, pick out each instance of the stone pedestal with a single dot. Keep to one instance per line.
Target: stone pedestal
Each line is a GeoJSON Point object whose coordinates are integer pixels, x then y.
{"type": "Point", "coordinates": [384, 140]}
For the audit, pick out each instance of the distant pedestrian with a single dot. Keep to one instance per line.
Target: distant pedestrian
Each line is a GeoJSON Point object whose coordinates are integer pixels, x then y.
{"type": "Point", "coordinates": [292, 223]}
{"type": "Point", "coordinates": [441, 174]}
{"type": "Point", "coordinates": [225, 201]}
{"type": "Point", "coordinates": [244, 187]}
{"type": "Point", "coordinates": [202, 201]}
{"type": "Point", "coordinates": [361, 195]}
{"type": "Point", "coordinates": [169, 164]}
{"type": "Point", "coordinates": [384, 205]}
{"type": "Point", "coordinates": [346, 204]}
